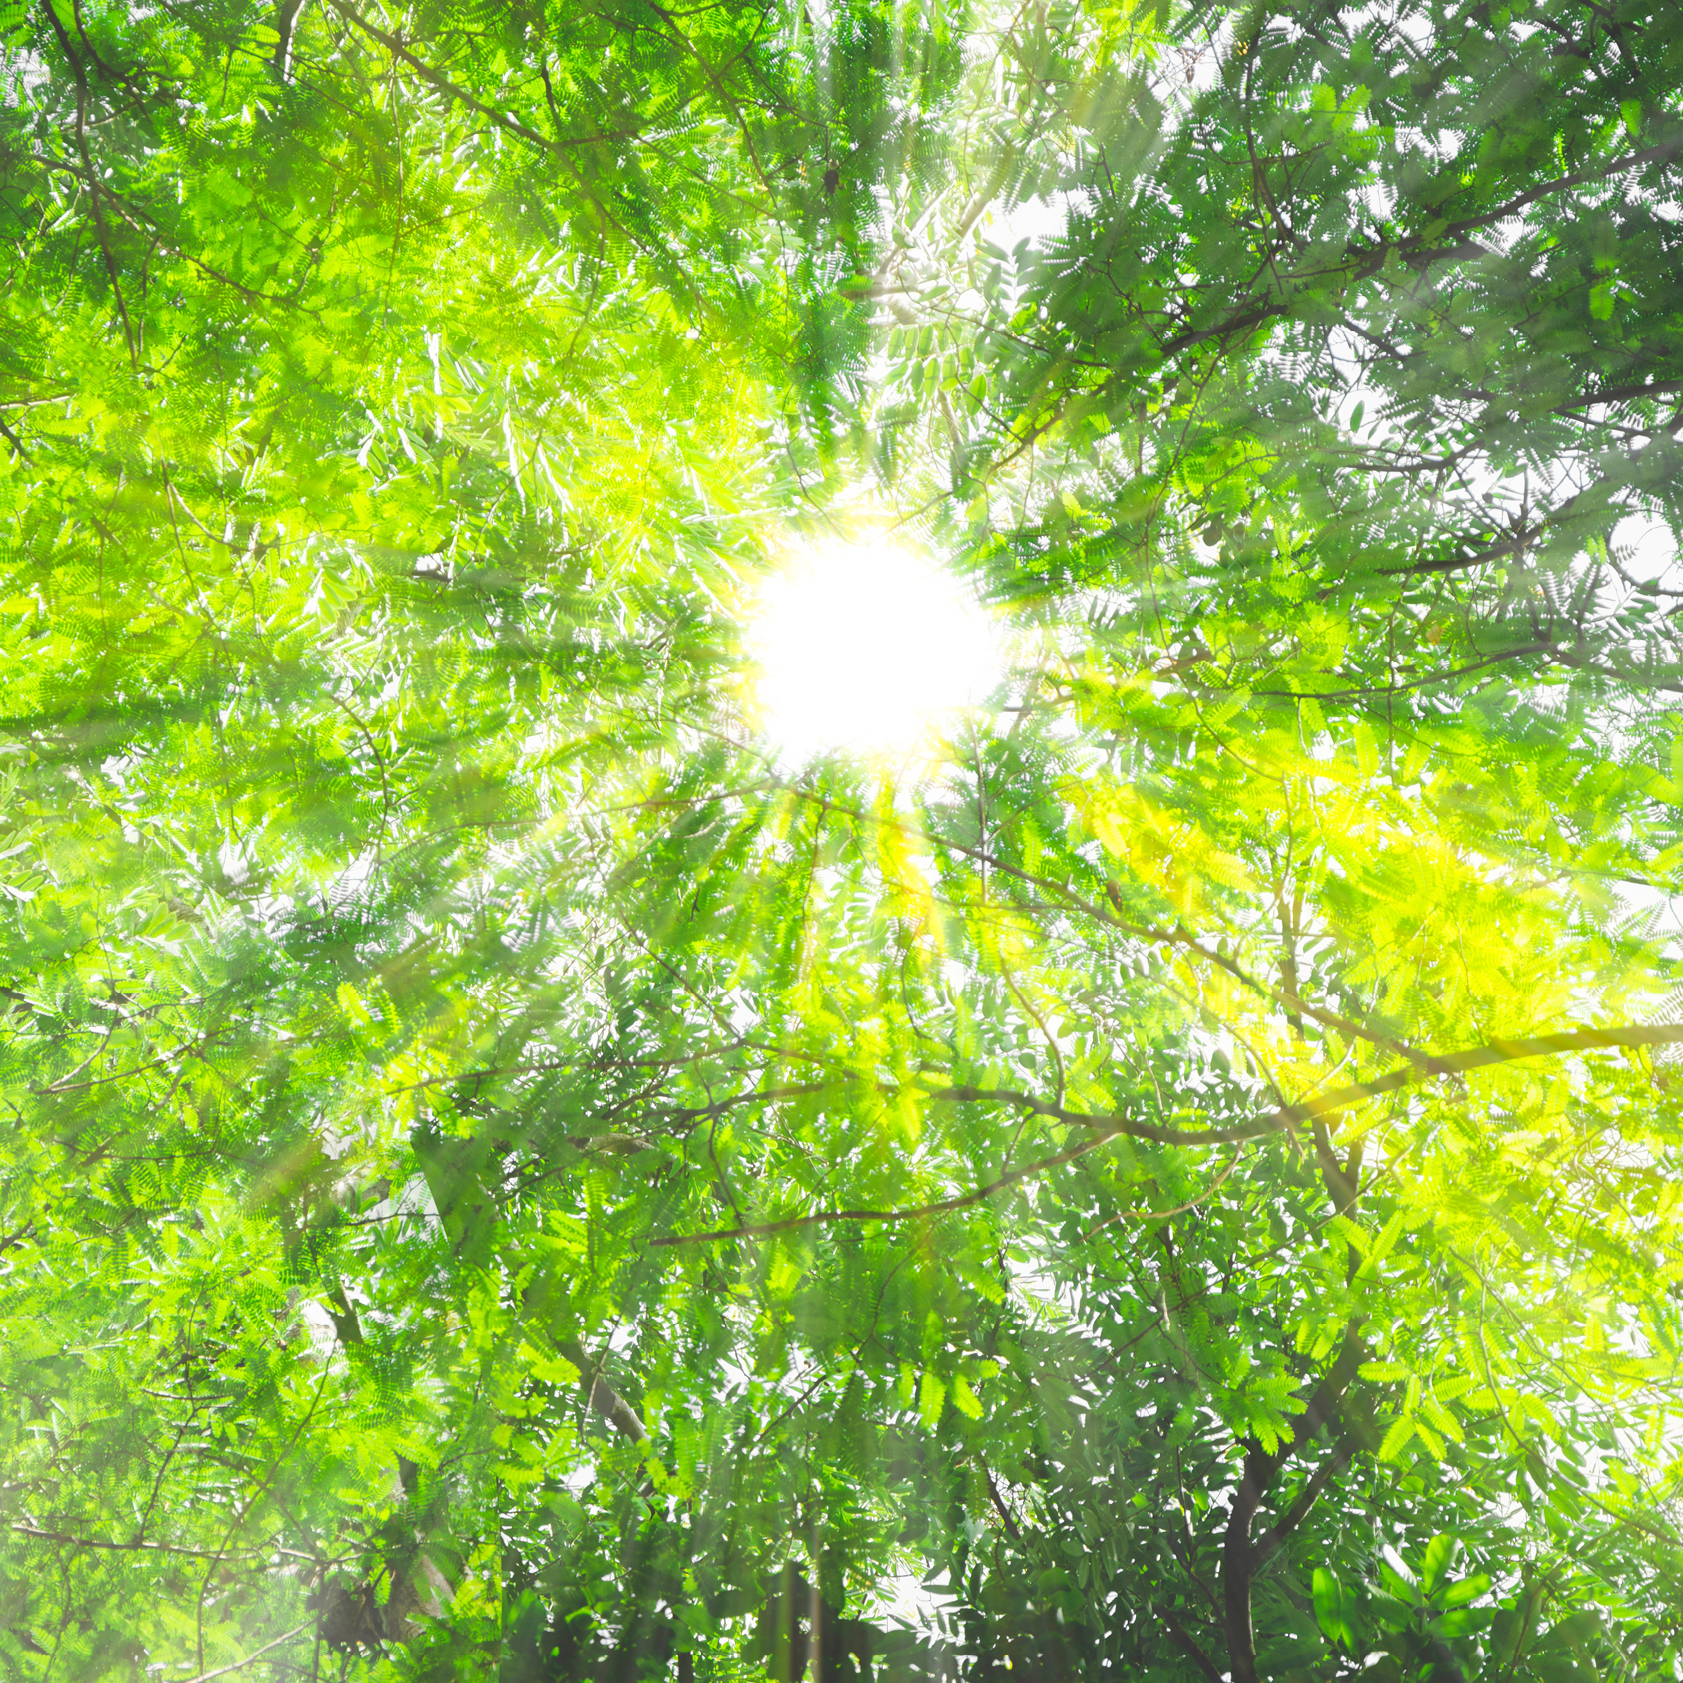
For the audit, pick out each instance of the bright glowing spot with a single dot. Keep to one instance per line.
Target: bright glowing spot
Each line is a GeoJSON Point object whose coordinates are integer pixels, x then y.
{"type": "Point", "coordinates": [865, 646]}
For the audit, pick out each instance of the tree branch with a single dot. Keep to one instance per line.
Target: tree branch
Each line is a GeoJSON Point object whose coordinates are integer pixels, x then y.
{"type": "Point", "coordinates": [603, 1397]}
{"type": "Point", "coordinates": [256, 1654]}
{"type": "Point", "coordinates": [444, 85]}
{"type": "Point", "coordinates": [764, 1229]}
{"type": "Point", "coordinates": [286, 19]}
{"type": "Point", "coordinates": [1011, 1529]}
{"type": "Point", "coordinates": [1306, 1498]}
{"type": "Point", "coordinates": [1115, 1127]}
{"type": "Point", "coordinates": [1239, 1562]}
{"type": "Point", "coordinates": [1662, 153]}
{"type": "Point", "coordinates": [35, 1532]}
{"type": "Point", "coordinates": [1184, 1641]}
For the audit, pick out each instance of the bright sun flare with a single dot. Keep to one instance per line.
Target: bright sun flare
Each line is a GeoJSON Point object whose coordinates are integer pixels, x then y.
{"type": "Point", "coordinates": [864, 646]}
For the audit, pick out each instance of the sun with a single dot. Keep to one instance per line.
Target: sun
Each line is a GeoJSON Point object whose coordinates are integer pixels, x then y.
{"type": "Point", "coordinates": [866, 647]}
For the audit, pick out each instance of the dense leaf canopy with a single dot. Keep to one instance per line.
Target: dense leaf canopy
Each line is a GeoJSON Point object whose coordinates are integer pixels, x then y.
{"type": "Point", "coordinates": [503, 1172]}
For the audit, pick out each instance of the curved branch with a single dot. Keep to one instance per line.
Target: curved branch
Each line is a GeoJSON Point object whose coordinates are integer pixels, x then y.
{"type": "Point", "coordinates": [1115, 1127]}
{"type": "Point", "coordinates": [445, 86]}
{"type": "Point", "coordinates": [603, 1397]}
{"type": "Point", "coordinates": [1342, 1453]}
{"type": "Point", "coordinates": [1185, 1642]}
{"type": "Point", "coordinates": [1113, 916]}
{"type": "Point", "coordinates": [1261, 1468]}
{"type": "Point", "coordinates": [1179, 1209]}
{"type": "Point", "coordinates": [764, 1229]}
{"type": "Point", "coordinates": [256, 1654]}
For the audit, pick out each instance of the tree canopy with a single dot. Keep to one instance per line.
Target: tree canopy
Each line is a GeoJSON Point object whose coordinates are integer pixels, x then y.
{"type": "Point", "coordinates": [505, 1174]}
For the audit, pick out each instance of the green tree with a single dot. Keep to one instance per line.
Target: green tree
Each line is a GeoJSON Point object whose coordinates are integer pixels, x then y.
{"type": "Point", "coordinates": [501, 1175]}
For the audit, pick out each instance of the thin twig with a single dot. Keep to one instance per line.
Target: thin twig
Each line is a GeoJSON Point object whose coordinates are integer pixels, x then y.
{"type": "Point", "coordinates": [1116, 1127]}
{"type": "Point", "coordinates": [1179, 1209]}
{"type": "Point", "coordinates": [240, 1665]}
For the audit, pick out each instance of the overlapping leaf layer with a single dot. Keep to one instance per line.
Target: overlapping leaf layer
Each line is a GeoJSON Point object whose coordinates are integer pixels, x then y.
{"type": "Point", "coordinates": [502, 1175]}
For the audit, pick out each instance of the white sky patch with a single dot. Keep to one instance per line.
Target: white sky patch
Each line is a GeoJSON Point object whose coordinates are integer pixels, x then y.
{"type": "Point", "coordinates": [1647, 550]}
{"type": "Point", "coordinates": [323, 1335]}
{"type": "Point", "coordinates": [865, 646]}
{"type": "Point", "coordinates": [1038, 220]}
{"type": "Point", "coordinates": [903, 1599]}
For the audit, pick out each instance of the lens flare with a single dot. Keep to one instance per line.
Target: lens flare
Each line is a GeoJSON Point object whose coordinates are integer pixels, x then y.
{"type": "Point", "coordinates": [866, 647]}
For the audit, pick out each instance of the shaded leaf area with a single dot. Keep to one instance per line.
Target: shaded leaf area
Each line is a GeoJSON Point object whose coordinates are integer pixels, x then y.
{"type": "Point", "coordinates": [1345, 366]}
{"type": "Point", "coordinates": [504, 1175]}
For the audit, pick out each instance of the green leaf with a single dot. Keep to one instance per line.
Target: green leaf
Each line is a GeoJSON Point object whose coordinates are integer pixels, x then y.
{"type": "Point", "coordinates": [1397, 1438]}
{"type": "Point", "coordinates": [1333, 1608]}
{"type": "Point", "coordinates": [1440, 1555]}
{"type": "Point", "coordinates": [1469, 1589]}
{"type": "Point", "coordinates": [932, 1393]}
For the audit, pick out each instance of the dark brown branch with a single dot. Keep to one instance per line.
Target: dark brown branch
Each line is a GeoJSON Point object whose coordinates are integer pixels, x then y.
{"type": "Point", "coordinates": [1151, 1131]}
{"type": "Point", "coordinates": [1663, 153]}
{"type": "Point", "coordinates": [1619, 394]}
{"type": "Point", "coordinates": [1305, 1499]}
{"type": "Point", "coordinates": [1186, 1644]}
{"type": "Point", "coordinates": [1341, 1188]}
{"type": "Point", "coordinates": [1306, 1110]}
{"type": "Point", "coordinates": [764, 1229]}
{"type": "Point", "coordinates": [16, 443]}
{"type": "Point", "coordinates": [286, 20]}
{"type": "Point", "coordinates": [1238, 1565]}
{"type": "Point", "coordinates": [1370, 259]}
{"type": "Point", "coordinates": [1240, 1556]}
{"type": "Point", "coordinates": [255, 1654]}
{"type": "Point", "coordinates": [444, 85]}
{"type": "Point", "coordinates": [1401, 686]}
{"type": "Point", "coordinates": [1113, 915]}
{"type": "Point", "coordinates": [36, 1534]}
{"type": "Point", "coordinates": [94, 180]}
{"type": "Point", "coordinates": [1011, 1528]}
{"type": "Point", "coordinates": [1341, 1098]}
{"type": "Point", "coordinates": [421, 1588]}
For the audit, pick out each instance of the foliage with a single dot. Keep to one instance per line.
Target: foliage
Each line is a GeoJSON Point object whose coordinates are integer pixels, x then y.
{"type": "Point", "coordinates": [503, 1174]}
